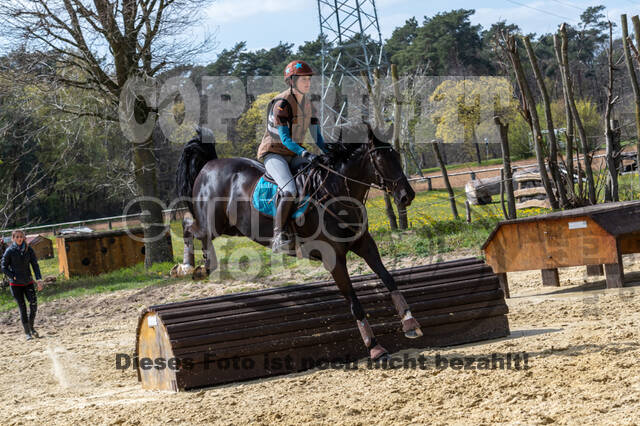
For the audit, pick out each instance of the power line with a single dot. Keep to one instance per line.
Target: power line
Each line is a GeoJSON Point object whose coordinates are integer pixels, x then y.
{"type": "Point", "coordinates": [539, 10]}
{"type": "Point", "coordinates": [568, 5]}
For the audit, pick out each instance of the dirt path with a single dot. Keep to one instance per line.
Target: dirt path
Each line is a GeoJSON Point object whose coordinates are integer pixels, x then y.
{"type": "Point", "coordinates": [582, 344]}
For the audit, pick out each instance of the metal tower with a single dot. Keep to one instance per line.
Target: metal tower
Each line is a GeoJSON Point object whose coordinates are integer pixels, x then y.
{"type": "Point", "coordinates": [352, 43]}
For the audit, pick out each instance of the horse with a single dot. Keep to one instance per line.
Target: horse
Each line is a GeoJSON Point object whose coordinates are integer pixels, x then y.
{"type": "Point", "coordinates": [218, 193]}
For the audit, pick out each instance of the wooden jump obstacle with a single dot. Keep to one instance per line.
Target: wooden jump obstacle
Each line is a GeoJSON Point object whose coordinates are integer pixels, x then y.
{"type": "Point", "coordinates": [591, 236]}
{"type": "Point", "coordinates": [98, 252]}
{"type": "Point", "coordinates": [283, 330]}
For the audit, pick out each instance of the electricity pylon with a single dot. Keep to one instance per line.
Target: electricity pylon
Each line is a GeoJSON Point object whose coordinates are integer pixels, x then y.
{"type": "Point", "coordinates": [352, 44]}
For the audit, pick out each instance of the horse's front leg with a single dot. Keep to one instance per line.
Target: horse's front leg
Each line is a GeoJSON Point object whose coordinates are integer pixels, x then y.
{"type": "Point", "coordinates": [367, 249]}
{"type": "Point", "coordinates": [343, 281]}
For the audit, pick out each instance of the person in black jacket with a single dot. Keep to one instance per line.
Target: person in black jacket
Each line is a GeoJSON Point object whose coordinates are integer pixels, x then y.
{"type": "Point", "coordinates": [15, 264]}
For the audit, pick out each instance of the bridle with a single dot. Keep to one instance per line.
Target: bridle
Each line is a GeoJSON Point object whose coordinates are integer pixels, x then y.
{"type": "Point", "coordinates": [382, 181]}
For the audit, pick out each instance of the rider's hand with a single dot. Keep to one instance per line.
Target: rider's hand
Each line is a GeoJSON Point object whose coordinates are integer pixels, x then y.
{"type": "Point", "coordinates": [40, 284]}
{"type": "Point", "coordinates": [311, 158]}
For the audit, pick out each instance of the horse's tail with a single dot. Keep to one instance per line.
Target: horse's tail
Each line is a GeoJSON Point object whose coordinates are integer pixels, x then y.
{"type": "Point", "coordinates": [196, 153]}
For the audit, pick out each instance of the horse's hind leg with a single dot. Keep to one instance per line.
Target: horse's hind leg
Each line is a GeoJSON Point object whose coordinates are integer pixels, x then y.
{"type": "Point", "coordinates": [209, 254]}
{"type": "Point", "coordinates": [187, 236]}
{"type": "Point", "coordinates": [343, 281]}
{"type": "Point", "coordinates": [188, 259]}
{"type": "Point", "coordinates": [366, 248]}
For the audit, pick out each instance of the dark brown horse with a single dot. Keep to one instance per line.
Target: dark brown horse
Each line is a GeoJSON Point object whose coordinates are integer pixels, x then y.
{"type": "Point", "coordinates": [218, 192]}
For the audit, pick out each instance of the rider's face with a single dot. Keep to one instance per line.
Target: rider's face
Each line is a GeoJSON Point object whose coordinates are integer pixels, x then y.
{"type": "Point", "coordinates": [303, 84]}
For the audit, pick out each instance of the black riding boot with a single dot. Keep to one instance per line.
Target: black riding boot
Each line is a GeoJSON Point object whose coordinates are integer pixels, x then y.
{"type": "Point", "coordinates": [27, 330]}
{"type": "Point", "coordinates": [34, 333]}
{"type": "Point", "coordinates": [281, 239]}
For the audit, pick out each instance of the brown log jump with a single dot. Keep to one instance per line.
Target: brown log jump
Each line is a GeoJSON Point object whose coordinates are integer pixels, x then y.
{"type": "Point", "coordinates": [288, 329]}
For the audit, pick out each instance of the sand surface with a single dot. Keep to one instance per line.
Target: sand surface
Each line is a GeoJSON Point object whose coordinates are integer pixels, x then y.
{"type": "Point", "coordinates": [582, 344]}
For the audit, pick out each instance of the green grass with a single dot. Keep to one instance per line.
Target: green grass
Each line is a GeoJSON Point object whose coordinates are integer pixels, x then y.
{"type": "Point", "coordinates": [122, 279]}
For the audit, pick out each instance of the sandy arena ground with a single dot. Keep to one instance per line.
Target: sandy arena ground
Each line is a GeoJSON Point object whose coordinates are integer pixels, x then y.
{"type": "Point", "coordinates": [582, 343]}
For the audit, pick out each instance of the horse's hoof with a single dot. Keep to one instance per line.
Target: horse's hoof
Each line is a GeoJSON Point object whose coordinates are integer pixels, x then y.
{"type": "Point", "coordinates": [181, 270]}
{"type": "Point", "coordinates": [413, 334]}
{"type": "Point", "coordinates": [378, 353]}
{"type": "Point", "coordinates": [200, 273]}
{"type": "Point", "coordinates": [411, 327]}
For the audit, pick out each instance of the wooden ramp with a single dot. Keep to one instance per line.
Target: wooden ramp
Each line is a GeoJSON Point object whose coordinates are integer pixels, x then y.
{"type": "Point", "coordinates": [288, 329]}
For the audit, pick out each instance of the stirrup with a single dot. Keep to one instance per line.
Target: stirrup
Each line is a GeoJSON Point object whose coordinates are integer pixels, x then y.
{"type": "Point", "coordinates": [281, 243]}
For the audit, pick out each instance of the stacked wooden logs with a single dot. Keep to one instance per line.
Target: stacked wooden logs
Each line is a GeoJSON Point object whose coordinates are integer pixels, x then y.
{"type": "Point", "coordinates": [287, 329]}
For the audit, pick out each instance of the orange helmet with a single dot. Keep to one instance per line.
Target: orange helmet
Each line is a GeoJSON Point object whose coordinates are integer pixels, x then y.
{"type": "Point", "coordinates": [297, 68]}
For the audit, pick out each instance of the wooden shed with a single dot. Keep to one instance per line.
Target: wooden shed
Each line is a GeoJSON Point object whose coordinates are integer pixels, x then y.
{"type": "Point", "coordinates": [591, 236]}
{"type": "Point", "coordinates": [41, 245]}
{"type": "Point", "coordinates": [99, 252]}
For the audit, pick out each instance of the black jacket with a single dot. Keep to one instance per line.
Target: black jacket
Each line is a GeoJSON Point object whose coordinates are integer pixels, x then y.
{"type": "Point", "coordinates": [16, 265]}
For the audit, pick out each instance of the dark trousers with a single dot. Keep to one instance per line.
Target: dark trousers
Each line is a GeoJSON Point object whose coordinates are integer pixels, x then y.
{"type": "Point", "coordinates": [29, 292]}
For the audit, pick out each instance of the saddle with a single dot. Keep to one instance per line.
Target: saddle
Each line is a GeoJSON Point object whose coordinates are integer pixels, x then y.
{"type": "Point", "coordinates": [265, 194]}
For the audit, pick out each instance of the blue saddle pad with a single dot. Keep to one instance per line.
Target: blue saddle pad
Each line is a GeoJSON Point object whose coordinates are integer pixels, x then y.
{"type": "Point", "coordinates": [264, 199]}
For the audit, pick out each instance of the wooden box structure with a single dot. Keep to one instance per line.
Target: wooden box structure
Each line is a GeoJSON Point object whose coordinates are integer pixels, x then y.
{"type": "Point", "coordinates": [41, 245]}
{"type": "Point", "coordinates": [98, 252]}
{"type": "Point", "coordinates": [591, 236]}
{"type": "Point", "coordinates": [287, 329]}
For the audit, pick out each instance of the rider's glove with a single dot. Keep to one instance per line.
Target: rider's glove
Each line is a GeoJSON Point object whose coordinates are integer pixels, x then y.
{"type": "Point", "coordinates": [312, 158]}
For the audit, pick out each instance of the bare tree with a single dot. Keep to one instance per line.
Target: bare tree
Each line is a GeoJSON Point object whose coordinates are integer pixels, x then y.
{"type": "Point", "coordinates": [100, 47]}
{"type": "Point", "coordinates": [553, 144]}
{"type": "Point", "coordinates": [568, 85]}
{"type": "Point", "coordinates": [529, 111]}
{"type": "Point", "coordinates": [397, 127]}
{"type": "Point", "coordinates": [611, 190]}
{"type": "Point", "coordinates": [628, 45]}
{"type": "Point", "coordinates": [24, 178]}
{"type": "Point", "coordinates": [375, 93]}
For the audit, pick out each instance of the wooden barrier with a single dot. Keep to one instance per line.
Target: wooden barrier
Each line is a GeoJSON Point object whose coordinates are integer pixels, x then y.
{"type": "Point", "coordinates": [589, 236]}
{"type": "Point", "coordinates": [287, 329]}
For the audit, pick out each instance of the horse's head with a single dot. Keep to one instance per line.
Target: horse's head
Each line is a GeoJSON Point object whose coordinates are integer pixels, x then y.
{"type": "Point", "coordinates": [388, 168]}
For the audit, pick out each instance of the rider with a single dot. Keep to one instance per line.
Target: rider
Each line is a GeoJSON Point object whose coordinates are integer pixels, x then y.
{"type": "Point", "coordinates": [289, 115]}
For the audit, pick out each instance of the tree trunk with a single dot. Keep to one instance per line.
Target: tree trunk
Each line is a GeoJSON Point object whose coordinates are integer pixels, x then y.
{"type": "Point", "coordinates": [156, 247]}
{"type": "Point", "coordinates": [569, 133]}
{"type": "Point", "coordinates": [391, 215]}
{"type": "Point", "coordinates": [530, 104]}
{"type": "Point", "coordinates": [566, 81]}
{"type": "Point", "coordinates": [612, 176]}
{"type": "Point", "coordinates": [506, 161]}
{"type": "Point", "coordinates": [445, 176]}
{"type": "Point", "coordinates": [374, 94]}
{"type": "Point", "coordinates": [397, 118]}
{"type": "Point", "coordinates": [632, 76]}
{"type": "Point", "coordinates": [553, 144]}
{"type": "Point", "coordinates": [474, 141]}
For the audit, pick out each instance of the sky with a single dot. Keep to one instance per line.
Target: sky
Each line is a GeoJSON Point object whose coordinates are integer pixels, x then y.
{"type": "Point", "coordinates": [264, 23]}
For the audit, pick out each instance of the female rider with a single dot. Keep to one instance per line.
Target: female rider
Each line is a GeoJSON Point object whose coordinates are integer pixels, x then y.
{"type": "Point", "coordinates": [290, 115]}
